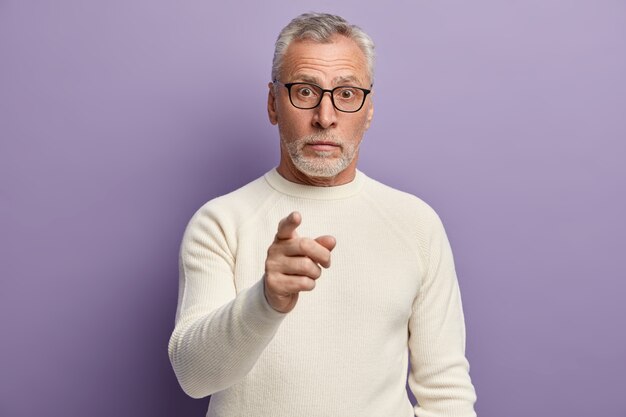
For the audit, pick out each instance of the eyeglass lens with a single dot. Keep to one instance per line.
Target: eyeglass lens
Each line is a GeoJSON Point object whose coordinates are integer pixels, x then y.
{"type": "Point", "coordinates": [308, 96]}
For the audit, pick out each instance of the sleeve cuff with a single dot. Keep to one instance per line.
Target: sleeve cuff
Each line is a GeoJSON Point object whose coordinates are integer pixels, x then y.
{"type": "Point", "coordinates": [258, 314]}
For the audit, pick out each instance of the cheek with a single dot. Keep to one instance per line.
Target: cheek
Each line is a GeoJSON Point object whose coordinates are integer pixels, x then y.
{"type": "Point", "coordinates": [288, 131]}
{"type": "Point", "coordinates": [293, 125]}
{"type": "Point", "coordinates": [359, 127]}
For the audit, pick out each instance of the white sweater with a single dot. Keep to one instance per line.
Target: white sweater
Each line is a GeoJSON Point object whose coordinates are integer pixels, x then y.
{"type": "Point", "coordinates": [391, 292]}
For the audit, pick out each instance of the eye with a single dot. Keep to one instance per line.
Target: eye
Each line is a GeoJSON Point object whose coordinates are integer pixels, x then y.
{"type": "Point", "coordinates": [306, 91]}
{"type": "Point", "coordinates": [347, 93]}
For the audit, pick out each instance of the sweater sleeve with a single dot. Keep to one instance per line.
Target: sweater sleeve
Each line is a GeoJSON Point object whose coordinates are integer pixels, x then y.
{"type": "Point", "coordinates": [219, 332]}
{"type": "Point", "coordinates": [439, 374]}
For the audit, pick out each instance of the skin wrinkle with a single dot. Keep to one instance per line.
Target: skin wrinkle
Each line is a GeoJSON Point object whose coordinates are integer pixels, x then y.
{"type": "Point", "coordinates": [306, 70]}
{"type": "Point", "coordinates": [350, 81]}
{"type": "Point", "coordinates": [311, 64]}
{"type": "Point", "coordinates": [328, 65]}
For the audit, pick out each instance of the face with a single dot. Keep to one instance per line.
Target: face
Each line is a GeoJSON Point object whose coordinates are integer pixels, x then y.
{"type": "Point", "coordinates": [320, 146]}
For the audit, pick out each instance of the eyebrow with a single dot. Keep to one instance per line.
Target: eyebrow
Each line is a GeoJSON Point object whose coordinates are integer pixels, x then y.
{"type": "Point", "coordinates": [348, 79]}
{"type": "Point", "coordinates": [340, 80]}
{"type": "Point", "coordinates": [306, 79]}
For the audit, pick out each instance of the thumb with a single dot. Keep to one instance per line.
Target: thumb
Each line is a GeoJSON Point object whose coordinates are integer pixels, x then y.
{"type": "Point", "coordinates": [326, 241]}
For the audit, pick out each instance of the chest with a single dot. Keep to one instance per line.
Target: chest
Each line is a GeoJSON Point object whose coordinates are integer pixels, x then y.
{"type": "Point", "coordinates": [370, 286]}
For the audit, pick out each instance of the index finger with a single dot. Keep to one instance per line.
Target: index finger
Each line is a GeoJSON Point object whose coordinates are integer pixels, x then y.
{"type": "Point", "coordinates": [287, 226]}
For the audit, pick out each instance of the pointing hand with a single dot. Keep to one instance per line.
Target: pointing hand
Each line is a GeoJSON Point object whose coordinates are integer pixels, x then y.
{"type": "Point", "coordinates": [293, 263]}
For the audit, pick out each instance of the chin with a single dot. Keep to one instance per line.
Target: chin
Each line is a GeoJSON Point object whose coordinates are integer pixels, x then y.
{"type": "Point", "coordinates": [311, 167]}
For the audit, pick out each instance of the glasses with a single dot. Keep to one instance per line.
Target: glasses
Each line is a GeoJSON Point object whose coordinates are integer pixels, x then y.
{"type": "Point", "coordinates": [306, 96]}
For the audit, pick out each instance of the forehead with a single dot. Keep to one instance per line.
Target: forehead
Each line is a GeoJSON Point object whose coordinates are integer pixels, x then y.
{"type": "Point", "coordinates": [327, 63]}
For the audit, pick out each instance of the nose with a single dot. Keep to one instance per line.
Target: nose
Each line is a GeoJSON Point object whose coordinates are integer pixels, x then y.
{"type": "Point", "coordinates": [325, 113]}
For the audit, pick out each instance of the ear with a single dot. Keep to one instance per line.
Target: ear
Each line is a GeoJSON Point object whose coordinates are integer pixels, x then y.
{"type": "Point", "coordinates": [370, 114]}
{"type": "Point", "coordinates": [271, 104]}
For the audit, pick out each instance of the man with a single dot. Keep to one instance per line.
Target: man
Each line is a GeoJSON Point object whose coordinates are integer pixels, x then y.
{"type": "Point", "coordinates": [356, 276]}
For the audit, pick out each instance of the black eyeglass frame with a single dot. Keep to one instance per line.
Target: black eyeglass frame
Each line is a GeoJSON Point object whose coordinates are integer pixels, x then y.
{"type": "Point", "coordinates": [324, 91]}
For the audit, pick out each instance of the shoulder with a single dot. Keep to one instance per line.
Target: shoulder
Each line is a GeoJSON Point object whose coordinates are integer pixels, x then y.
{"type": "Point", "coordinates": [401, 205]}
{"type": "Point", "coordinates": [413, 219]}
{"type": "Point", "coordinates": [243, 200]}
{"type": "Point", "coordinates": [228, 212]}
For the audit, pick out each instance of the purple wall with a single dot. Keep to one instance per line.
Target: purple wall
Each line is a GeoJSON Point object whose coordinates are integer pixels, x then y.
{"type": "Point", "coordinates": [118, 119]}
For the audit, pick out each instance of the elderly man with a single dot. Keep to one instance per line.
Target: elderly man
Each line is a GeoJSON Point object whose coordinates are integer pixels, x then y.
{"type": "Point", "coordinates": [358, 277]}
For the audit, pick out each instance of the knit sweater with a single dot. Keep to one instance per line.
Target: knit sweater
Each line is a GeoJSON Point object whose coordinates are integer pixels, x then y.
{"type": "Point", "coordinates": [390, 294]}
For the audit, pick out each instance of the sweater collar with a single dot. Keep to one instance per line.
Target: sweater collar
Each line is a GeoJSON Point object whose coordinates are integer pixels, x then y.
{"type": "Point", "coordinates": [282, 185]}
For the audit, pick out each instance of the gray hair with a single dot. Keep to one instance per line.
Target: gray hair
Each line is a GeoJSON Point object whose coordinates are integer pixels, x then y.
{"type": "Point", "coordinates": [320, 27]}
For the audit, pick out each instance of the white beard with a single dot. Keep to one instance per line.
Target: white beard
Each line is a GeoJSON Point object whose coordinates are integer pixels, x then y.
{"type": "Point", "coordinates": [323, 164]}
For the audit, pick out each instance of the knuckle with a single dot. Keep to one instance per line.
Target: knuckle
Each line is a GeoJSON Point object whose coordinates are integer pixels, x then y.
{"type": "Point", "coordinates": [271, 264]}
{"type": "Point", "coordinates": [269, 282]}
{"type": "Point", "coordinates": [269, 277]}
{"type": "Point", "coordinates": [304, 264]}
{"type": "Point", "coordinates": [311, 268]}
{"type": "Point", "coordinates": [317, 272]}
{"type": "Point", "coordinates": [306, 245]}
{"type": "Point", "coordinates": [308, 284]}
{"type": "Point", "coordinates": [275, 284]}
{"type": "Point", "coordinates": [274, 251]}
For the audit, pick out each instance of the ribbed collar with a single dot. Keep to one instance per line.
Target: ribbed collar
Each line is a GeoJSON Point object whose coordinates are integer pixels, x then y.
{"type": "Point", "coordinates": [280, 184]}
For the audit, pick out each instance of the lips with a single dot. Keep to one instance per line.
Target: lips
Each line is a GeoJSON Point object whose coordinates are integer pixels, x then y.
{"type": "Point", "coordinates": [323, 146]}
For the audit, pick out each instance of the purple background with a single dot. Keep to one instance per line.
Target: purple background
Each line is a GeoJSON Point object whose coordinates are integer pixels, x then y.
{"type": "Point", "coordinates": [118, 119]}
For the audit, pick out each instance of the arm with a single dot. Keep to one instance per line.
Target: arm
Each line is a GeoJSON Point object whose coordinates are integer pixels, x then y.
{"type": "Point", "coordinates": [439, 374]}
{"type": "Point", "coordinates": [219, 333]}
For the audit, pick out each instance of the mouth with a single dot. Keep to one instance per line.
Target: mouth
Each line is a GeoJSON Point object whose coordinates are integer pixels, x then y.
{"type": "Point", "coordinates": [323, 146]}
